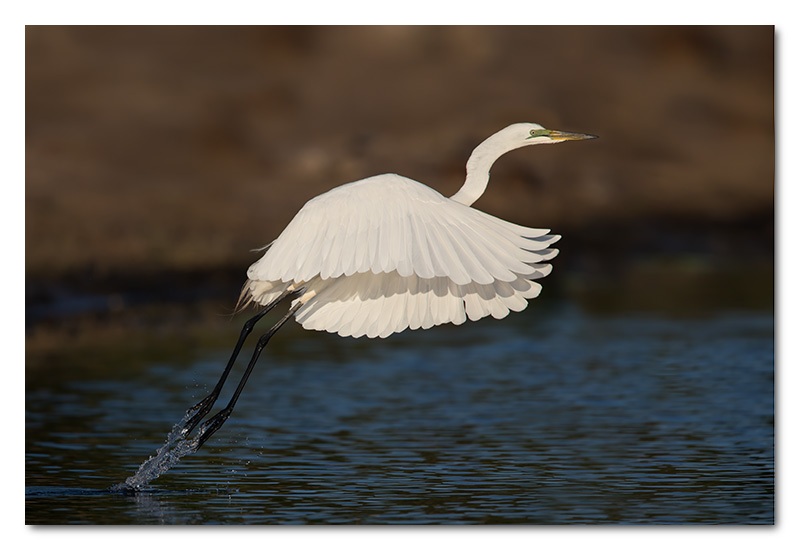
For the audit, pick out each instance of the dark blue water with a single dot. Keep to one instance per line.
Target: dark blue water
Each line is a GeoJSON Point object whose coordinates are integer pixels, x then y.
{"type": "Point", "coordinates": [551, 416]}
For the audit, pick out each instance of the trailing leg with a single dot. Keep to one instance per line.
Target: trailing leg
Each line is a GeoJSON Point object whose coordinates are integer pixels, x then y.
{"type": "Point", "coordinates": [216, 422]}
{"type": "Point", "coordinates": [196, 413]}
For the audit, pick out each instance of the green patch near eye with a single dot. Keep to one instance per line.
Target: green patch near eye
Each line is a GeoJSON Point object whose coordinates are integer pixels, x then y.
{"type": "Point", "coordinates": [539, 133]}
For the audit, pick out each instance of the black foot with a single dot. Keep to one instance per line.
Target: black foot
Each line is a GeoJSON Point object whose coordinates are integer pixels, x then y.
{"type": "Point", "coordinates": [211, 426]}
{"type": "Point", "coordinates": [197, 412]}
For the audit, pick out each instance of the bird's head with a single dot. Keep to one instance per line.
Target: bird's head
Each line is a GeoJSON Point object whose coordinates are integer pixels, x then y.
{"type": "Point", "coordinates": [515, 136]}
{"type": "Point", "coordinates": [519, 135]}
{"type": "Point", "coordinates": [532, 134]}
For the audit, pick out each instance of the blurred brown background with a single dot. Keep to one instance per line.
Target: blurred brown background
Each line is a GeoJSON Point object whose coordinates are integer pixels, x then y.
{"type": "Point", "coordinates": [158, 157]}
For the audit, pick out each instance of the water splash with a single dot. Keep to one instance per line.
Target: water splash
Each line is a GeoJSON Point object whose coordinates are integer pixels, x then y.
{"type": "Point", "coordinates": [173, 449]}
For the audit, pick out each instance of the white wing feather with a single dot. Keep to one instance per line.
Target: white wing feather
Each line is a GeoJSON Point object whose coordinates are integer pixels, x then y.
{"type": "Point", "coordinates": [368, 304]}
{"type": "Point", "coordinates": [388, 253]}
{"type": "Point", "coordinates": [390, 223]}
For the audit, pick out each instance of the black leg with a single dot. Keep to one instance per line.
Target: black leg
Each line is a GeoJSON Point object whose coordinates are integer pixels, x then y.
{"type": "Point", "coordinates": [215, 422]}
{"type": "Point", "coordinates": [196, 413]}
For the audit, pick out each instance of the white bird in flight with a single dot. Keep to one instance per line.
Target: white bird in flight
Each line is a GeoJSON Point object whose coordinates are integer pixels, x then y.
{"type": "Point", "coordinates": [386, 253]}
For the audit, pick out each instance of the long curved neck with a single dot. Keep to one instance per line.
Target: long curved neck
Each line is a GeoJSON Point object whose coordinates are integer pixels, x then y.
{"type": "Point", "coordinates": [478, 166]}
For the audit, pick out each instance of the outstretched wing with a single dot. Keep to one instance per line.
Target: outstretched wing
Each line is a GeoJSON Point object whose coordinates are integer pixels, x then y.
{"type": "Point", "coordinates": [387, 253]}
{"type": "Point", "coordinates": [390, 223]}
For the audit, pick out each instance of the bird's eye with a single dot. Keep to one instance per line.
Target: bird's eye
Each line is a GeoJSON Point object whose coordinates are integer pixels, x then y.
{"type": "Point", "coordinates": [538, 133]}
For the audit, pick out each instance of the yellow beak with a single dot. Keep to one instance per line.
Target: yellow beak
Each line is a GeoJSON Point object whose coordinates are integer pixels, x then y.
{"type": "Point", "coordinates": [568, 136]}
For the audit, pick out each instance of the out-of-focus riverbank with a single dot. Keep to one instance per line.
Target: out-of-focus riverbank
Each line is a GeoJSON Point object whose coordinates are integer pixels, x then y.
{"type": "Point", "coordinates": [158, 157]}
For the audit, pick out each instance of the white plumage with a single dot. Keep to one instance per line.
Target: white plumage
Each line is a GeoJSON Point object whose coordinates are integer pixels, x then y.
{"type": "Point", "coordinates": [378, 256]}
{"type": "Point", "coordinates": [386, 253]}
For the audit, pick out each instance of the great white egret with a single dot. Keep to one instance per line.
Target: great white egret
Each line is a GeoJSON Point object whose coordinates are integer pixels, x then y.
{"type": "Point", "coordinates": [386, 253]}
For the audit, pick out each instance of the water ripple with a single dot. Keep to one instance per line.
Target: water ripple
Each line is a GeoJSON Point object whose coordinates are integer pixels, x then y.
{"type": "Point", "coordinates": [568, 420]}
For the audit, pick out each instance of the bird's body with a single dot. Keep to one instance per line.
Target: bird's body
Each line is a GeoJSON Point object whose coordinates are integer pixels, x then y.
{"type": "Point", "coordinates": [379, 255]}
{"type": "Point", "coordinates": [388, 253]}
